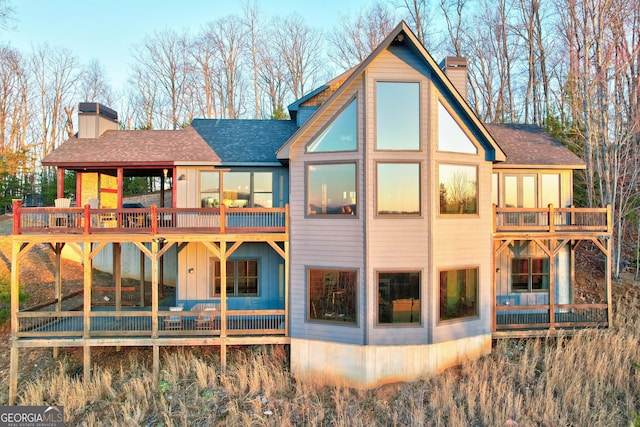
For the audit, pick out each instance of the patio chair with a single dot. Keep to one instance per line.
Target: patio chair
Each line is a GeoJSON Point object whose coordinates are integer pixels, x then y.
{"type": "Point", "coordinates": [60, 219]}
{"type": "Point", "coordinates": [206, 321]}
{"type": "Point", "coordinates": [173, 322]}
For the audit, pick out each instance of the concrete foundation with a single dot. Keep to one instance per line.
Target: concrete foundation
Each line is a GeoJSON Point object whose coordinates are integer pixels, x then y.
{"type": "Point", "coordinates": [371, 366]}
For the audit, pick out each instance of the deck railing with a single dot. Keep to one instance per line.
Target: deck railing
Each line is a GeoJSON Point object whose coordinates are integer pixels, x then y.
{"type": "Point", "coordinates": [153, 220]}
{"type": "Point", "coordinates": [565, 316]}
{"type": "Point", "coordinates": [552, 219]}
{"type": "Point", "coordinates": [139, 323]}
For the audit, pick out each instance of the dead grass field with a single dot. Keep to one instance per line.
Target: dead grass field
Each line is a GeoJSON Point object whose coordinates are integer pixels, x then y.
{"type": "Point", "coordinates": [590, 379]}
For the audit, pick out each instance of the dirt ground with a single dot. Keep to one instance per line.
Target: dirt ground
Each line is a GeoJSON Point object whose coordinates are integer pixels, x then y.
{"type": "Point", "coordinates": [37, 275]}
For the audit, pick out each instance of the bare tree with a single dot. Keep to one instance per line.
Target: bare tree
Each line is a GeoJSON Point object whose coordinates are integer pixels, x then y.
{"type": "Point", "coordinates": [228, 37]}
{"type": "Point", "coordinates": [252, 22]}
{"type": "Point", "coordinates": [55, 75]}
{"type": "Point", "coordinates": [14, 112]}
{"type": "Point", "coordinates": [94, 86]}
{"type": "Point", "coordinates": [272, 72]}
{"type": "Point", "coordinates": [163, 57]}
{"type": "Point", "coordinates": [355, 36]}
{"type": "Point", "coordinates": [452, 12]}
{"type": "Point", "coordinates": [300, 47]}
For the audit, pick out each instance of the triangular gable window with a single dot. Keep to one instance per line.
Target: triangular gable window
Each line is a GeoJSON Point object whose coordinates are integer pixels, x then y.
{"type": "Point", "coordinates": [450, 136]}
{"type": "Point", "coordinates": [340, 134]}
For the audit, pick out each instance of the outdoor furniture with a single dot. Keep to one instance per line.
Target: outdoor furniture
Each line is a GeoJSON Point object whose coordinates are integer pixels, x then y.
{"type": "Point", "coordinates": [173, 322]}
{"type": "Point", "coordinates": [206, 321]}
{"type": "Point", "coordinates": [60, 219]}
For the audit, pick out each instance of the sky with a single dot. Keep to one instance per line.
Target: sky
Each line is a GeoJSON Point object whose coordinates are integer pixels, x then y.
{"type": "Point", "coordinates": [108, 30]}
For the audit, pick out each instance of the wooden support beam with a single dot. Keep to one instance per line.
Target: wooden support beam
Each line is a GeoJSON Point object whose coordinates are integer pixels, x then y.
{"type": "Point", "coordinates": [223, 290]}
{"type": "Point", "coordinates": [141, 279]}
{"type": "Point", "coordinates": [86, 365]}
{"type": "Point", "coordinates": [277, 248]}
{"type": "Point", "coordinates": [213, 248]}
{"type": "Point", "coordinates": [156, 363]}
{"type": "Point", "coordinates": [117, 273]}
{"type": "Point", "coordinates": [88, 262]}
{"type": "Point", "coordinates": [552, 288]}
{"type": "Point", "coordinates": [154, 289]}
{"type": "Point", "coordinates": [58, 286]}
{"type": "Point", "coordinates": [13, 374]}
{"type": "Point", "coordinates": [286, 288]}
{"type": "Point", "coordinates": [233, 247]}
{"type": "Point", "coordinates": [15, 306]}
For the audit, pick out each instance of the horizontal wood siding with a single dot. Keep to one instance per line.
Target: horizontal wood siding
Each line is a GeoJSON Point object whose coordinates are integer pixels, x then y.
{"type": "Point", "coordinates": [324, 242]}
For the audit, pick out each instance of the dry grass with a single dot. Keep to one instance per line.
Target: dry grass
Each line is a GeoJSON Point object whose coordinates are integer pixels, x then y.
{"type": "Point", "coordinates": [592, 378]}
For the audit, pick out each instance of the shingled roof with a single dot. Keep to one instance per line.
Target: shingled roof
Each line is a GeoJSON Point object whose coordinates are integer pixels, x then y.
{"type": "Point", "coordinates": [530, 146]}
{"type": "Point", "coordinates": [240, 142]}
{"type": "Point", "coordinates": [134, 147]}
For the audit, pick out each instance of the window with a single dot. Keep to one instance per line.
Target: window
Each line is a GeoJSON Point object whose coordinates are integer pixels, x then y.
{"type": "Point", "coordinates": [458, 293]}
{"type": "Point", "coordinates": [209, 189]}
{"type": "Point", "coordinates": [451, 137]}
{"type": "Point", "coordinates": [242, 277]}
{"type": "Point", "coordinates": [248, 189]}
{"type": "Point", "coordinates": [331, 189]}
{"type": "Point", "coordinates": [458, 189]}
{"type": "Point", "coordinates": [529, 274]}
{"type": "Point", "coordinates": [340, 135]}
{"type": "Point", "coordinates": [398, 189]}
{"type": "Point", "coordinates": [332, 295]}
{"type": "Point", "coordinates": [398, 297]}
{"type": "Point", "coordinates": [398, 116]}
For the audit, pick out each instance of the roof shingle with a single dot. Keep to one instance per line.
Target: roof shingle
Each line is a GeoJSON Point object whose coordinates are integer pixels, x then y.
{"type": "Point", "coordinates": [133, 147]}
{"type": "Point", "coordinates": [530, 145]}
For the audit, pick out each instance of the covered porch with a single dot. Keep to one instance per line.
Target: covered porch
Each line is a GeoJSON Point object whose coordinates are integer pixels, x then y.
{"type": "Point", "coordinates": [552, 231]}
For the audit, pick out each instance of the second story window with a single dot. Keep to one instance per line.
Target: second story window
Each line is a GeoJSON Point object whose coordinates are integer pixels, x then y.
{"type": "Point", "coordinates": [398, 116]}
{"type": "Point", "coordinates": [340, 134]}
{"type": "Point", "coordinates": [248, 189]}
{"type": "Point", "coordinates": [331, 189]}
{"type": "Point", "coordinates": [458, 187]}
{"type": "Point", "coordinates": [398, 189]}
{"type": "Point", "coordinates": [209, 189]}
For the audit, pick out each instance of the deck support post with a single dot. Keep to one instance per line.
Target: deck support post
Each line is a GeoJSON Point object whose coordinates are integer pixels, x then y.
{"type": "Point", "coordinates": [86, 367]}
{"type": "Point", "coordinates": [58, 286]}
{"type": "Point", "coordinates": [156, 363]}
{"type": "Point", "coordinates": [607, 273]}
{"type": "Point", "coordinates": [87, 261]}
{"type": "Point", "coordinates": [552, 282]}
{"type": "Point", "coordinates": [223, 304]}
{"type": "Point", "coordinates": [15, 306]}
{"type": "Point", "coordinates": [117, 274]}
{"type": "Point", "coordinates": [141, 279]}
{"type": "Point", "coordinates": [154, 288]}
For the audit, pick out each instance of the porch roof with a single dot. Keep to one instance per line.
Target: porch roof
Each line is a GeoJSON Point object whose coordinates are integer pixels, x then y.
{"type": "Point", "coordinates": [133, 148]}
{"type": "Point", "coordinates": [528, 146]}
{"type": "Point", "coordinates": [245, 142]}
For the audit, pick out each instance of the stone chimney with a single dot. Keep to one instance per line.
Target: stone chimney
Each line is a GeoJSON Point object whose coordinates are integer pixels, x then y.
{"type": "Point", "coordinates": [455, 67]}
{"type": "Point", "coordinates": [94, 119]}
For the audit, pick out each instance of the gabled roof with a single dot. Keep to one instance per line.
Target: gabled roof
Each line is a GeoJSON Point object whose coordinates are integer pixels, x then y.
{"type": "Point", "coordinates": [133, 148]}
{"type": "Point", "coordinates": [492, 149]}
{"type": "Point", "coordinates": [528, 146]}
{"type": "Point", "coordinates": [239, 142]}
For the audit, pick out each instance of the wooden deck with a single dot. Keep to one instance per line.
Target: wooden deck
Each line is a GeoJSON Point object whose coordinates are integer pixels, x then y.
{"type": "Point", "coordinates": [153, 220]}
{"type": "Point", "coordinates": [552, 229]}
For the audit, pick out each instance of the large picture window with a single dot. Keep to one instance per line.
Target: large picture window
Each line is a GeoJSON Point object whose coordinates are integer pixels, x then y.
{"type": "Point", "coordinates": [248, 189]}
{"type": "Point", "coordinates": [242, 277]}
{"type": "Point", "coordinates": [458, 189]}
{"type": "Point", "coordinates": [458, 293]}
{"type": "Point", "coordinates": [398, 297]}
{"type": "Point", "coordinates": [398, 189]}
{"type": "Point", "coordinates": [209, 189]}
{"type": "Point", "coordinates": [529, 274]}
{"type": "Point", "coordinates": [332, 295]}
{"type": "Point", "coordinates": [451, 137]}
{"type": "Point", "coordinates": [331, 189]}
{"type": "Point", "coordinates": [398, 116]}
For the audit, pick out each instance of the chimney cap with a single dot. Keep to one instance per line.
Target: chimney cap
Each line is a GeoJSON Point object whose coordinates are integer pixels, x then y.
{"type": "Point", "coordinates": [453, 62]}
{"type": "Point", "coordinates": [99, 109]}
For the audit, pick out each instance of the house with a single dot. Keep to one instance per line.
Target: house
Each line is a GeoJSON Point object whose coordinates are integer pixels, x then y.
{"type": "Point", "coordinates": [384, 232]}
